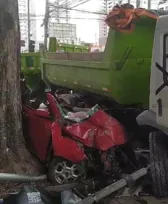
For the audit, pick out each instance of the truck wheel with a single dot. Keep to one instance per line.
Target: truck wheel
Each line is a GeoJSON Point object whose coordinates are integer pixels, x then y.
{"type": "Point", "coordinates": [158, 144]}
{"type": "Point", "coordinates": [63, 172]}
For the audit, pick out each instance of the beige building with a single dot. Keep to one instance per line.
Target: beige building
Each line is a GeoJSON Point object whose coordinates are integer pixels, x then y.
{"type": "Point", "coordinates": [64, 32]}
{"type": "Point", "coordinates": [23, 17]}
{"type": "Point", "coordinates": [163, 5]}
{"type": "Point", "coordinates": [106, 6]}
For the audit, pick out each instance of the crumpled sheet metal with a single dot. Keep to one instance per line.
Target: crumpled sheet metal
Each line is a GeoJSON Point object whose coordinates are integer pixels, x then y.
{"type": "Point", "coordinates": [123, 18]}
{"type": "Point", "coordinates": [99, 131]}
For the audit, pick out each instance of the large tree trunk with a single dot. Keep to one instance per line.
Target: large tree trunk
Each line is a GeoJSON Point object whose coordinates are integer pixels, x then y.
{"type": "Point", "coordinates": [11, 138]}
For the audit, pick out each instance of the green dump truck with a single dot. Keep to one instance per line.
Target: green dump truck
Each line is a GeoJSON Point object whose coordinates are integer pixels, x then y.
{"type": "Point", "coordinates": [32, 59]}
{"type": "Point", "coordinates": [120, 74]}
{"type": "Point", "coordinates": [118, 79]}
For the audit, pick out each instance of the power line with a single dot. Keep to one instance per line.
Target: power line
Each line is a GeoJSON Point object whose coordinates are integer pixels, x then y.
{"type": "Point", "coordinates": [66, 11]}
{"type": "Point", "coordinates": [69, 3]}
{"type": "Point", "coordinates": [78, 18]}
{"type": "Point", "coordinates": [75, 2]}
{"type": "Point", "coordinates": [78, 10]}
{"type": "Point", "coordinates": [80, 3]}
{"type": "Point", "coordinates": [62, 3]}
{"type": "Point", "coordinates": [23, 15]}
{"type": "Point", "coordinates": [82, 11]}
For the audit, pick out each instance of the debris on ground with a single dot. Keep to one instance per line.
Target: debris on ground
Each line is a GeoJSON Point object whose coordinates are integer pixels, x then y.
{"type": "Point", "coordinates": [9, 187]}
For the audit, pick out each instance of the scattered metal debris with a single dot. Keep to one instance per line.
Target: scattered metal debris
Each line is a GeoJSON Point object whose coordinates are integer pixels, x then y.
{"type": "Point", "coordinates": [115, 186]}
{"type": "Point", "coordinates": [21, 178]}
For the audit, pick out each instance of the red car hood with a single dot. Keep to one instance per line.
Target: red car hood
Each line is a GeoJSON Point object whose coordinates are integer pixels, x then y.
{"type": "Point", "coordinates": [100, 131]}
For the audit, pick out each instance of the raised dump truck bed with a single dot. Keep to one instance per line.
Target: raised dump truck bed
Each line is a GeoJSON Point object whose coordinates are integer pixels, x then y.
{"type": "Point", "coordinates": [121, 73]}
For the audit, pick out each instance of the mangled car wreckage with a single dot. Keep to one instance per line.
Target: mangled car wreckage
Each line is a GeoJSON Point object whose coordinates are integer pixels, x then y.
{"type": "Point", "coordinates": [77, 143]}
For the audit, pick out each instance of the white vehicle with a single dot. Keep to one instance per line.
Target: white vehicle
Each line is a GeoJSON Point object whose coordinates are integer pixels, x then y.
{"type": "Point", "coordinates": [157, 115]}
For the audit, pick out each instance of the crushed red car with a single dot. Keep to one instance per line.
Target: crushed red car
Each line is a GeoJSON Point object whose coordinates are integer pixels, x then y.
{"type": "Point", "coordinates": [74, 143]}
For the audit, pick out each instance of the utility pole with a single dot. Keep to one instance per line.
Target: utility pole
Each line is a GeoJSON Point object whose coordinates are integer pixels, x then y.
{"type": "Point", "coordinates": [149, 4]}
{"type": "Point", "coordinates": [58, 11]}
{"type": "Point", "coordinates": [137, 3]}
{"type": "Point", "coordinates": [28, 23]}
{"type": "Point", "coordinates": [46, 21]}
{"type": "Point", "coordinates": [67, 12]}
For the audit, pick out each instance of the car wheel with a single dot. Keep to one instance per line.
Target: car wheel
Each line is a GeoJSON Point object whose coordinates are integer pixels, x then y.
{"type": "Point", "coordinates": [158, 144]}
{"type": "Point", "coordinates": [63, 172]}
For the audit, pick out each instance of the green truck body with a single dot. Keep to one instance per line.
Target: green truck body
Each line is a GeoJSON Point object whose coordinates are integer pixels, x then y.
{"type": "Point", "coordinates": [30, 62]}
{"type": "Point", "coordinates": [32, 59]}
{"type": "Point", "coordinates": [121, 72]}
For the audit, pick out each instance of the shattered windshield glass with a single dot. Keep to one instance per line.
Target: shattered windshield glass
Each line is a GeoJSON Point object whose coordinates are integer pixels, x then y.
{"type": "Point", "coordinates": [76, 116]}
{"type": "Point", "coordinates": [81, 115]}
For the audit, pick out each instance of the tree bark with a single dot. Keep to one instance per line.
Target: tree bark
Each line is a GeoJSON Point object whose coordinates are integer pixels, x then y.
{"type": "Point", "coordinates": [11, 138]}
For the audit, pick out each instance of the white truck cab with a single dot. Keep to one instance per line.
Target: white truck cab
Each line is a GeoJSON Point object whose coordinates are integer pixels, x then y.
{"type": "Point", "coordinates": [157, 115]}
{"type": "Point", "coordinates": [159, 73]}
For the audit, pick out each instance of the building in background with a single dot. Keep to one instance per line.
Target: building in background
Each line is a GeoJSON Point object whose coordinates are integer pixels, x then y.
{"type": "Point", "coordinates": [64, 32]}
{"type": "Point", "coordinates": [32, 21]}
{"type": "Point", "coordinates": [60, 15]}
{"type": "Point", "coordinates": [163, 5]}
{"type": "Point", "coordinates": [23, 21]}
{"type": "Point", "coordinates": [23, 16]}
{"type": "Point", "coordinates": [105, 7]}
{"type": "Point", "coordinates": [59, 25]}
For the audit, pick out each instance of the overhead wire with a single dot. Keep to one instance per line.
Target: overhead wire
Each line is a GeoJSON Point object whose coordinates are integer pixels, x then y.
{"type": "Point", "coordinates": [77, 18]}
{"type": "Point", "coordinates": [64, 6]}
{"type": "Point", "coordinates": [75, 2]}
{"type": "Point", "coordinates": [66, 3]}
{"type": "Point", "coordinates": [62, 2]}
{"type": "Point", "coordinates": [69, 3]}
{"type": "Point", "coordinates": [82, 11]}
{"type": "Point", "coordinates": [80, 3]}
{"type": "Point", "coordinates": [72, 3]}
{"type": "Point", "coordinates": [78, 10]}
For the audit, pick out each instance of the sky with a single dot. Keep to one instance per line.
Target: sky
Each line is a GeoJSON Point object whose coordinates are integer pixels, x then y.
{"type": "Point", "coordinates": [87, 29]}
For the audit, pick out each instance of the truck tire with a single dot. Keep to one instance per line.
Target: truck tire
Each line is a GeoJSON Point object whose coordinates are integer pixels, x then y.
{"type": "Point", "coordinates": [158, 144]}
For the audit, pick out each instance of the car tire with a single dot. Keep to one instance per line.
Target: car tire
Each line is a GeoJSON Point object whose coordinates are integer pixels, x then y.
{"type": "Point", "coordinates": [51, 171]}
{"type": "Point", "coordinates": [57, 163]}
{"type": "Point", "coordinates": [158, 145]}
